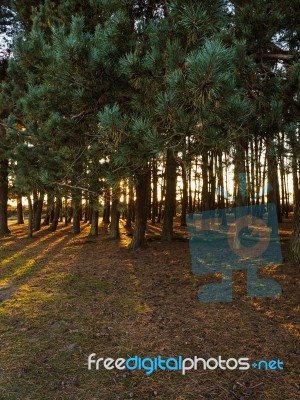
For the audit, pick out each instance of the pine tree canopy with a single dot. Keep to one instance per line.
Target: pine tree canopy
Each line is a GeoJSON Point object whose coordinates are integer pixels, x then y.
{"type": "Point", "coordinates": [123, 81]}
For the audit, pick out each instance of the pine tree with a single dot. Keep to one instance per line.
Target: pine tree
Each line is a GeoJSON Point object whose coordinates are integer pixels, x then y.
{"type": "Point", "coordinates": [270, 33]}
{"type": "Point", "coordinates": [6, 29]}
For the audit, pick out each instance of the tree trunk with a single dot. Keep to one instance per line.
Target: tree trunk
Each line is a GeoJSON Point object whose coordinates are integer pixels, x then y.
{"type": "Point", "coordinates": [3, 197]}
{"type": "Point", "coordinates": [138, 239]}
{"type": "Point", "coordinates": [184, 204]}
{"type": "Point", "coordinates": [94, 208]}
{"type": "Point", "coordinates": [205, 193]}
{"type": "Point", "coordinates": [221, 202]}
{"type": "Point", "coordinates": [49, 211]}
{"type": "Point", "coordinates": [94, 222]}
{"type": "Point", "coordinates": [149, 193]}
{"type": "Point", "coordinates": [115, 216]}
{"type": "Point", "coordinates": [56, 215]}
{"type": "Point", "coordinates": [87, 210]}
{"type": "Point", "coordinates": [240, 187]}
{"type": "Point", "coordinates": [190, 197]}
{"type": "Point", "coordinates": [106, 211]}
{"type": "Point", "coordinates": [34, 205]}
{"type": "Point", "coordinates": [273, 194]}
{"type": "Point", "coordinates": [196, 181]}
{"type": "Point", "coordinates": [154, 192]}
{"type": "Point", "coordinates": [38, 212]}
{"type": "Point", "coordinates": [30, 216]}
{"type": "Point", "coordinates": [162, 196]}
{"type": "Point", "coordinates": [130, 206]}
{"type": "Point", "coordinates": [76, 204]}
{"type": "Point", "coordinates": [294, 253]}
{"type": "Point", "coordinates": [167, 231]}
{"type": "Point", "coordinates": [20, 215]}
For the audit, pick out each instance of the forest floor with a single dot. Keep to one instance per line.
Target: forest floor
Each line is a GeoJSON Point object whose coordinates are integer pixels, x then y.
{"type": "Point", "coordinates": [64, 297]}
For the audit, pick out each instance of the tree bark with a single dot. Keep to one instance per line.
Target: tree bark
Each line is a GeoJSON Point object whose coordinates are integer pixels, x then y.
{"type": "Point", "coordinates": [184, 203]}
{"type": "Point", "coordinates": [94, 223]}
{"type": "Point", "coordinates": [94, 208]}
{"type": "Point", "coordinates": [129, 213]}
{"type": "Point", "coordinates": [273, 194]}
{"type": "Point", "coordinates": [56, 215]}
{"type": "Point", "coordinates": [154, 192]}
{"type": "Point", "coordinates": [294, 253]}
{"type": "Point", "coordinates": [76, 204]}
{"type": "Point", "coordinates": [141, 187]}
{"type": "Point", "coordinates": [240, 187]}
{"type": "Point", "coordinates": [106, 211]}
{"type": "Point", "coordinates": [50, 206]}
{"type": "Point", "coordinates": [30, 216]}
{"type": "Point", "coordinates": [221, 202]}
{"type": "Point", "coordinates": [205, 193]}
{"type": "Point", "coordinates": [34, 204]}
{"type": "Point", "coordinates": [38, 212]}
{"type": "Point", "coordinates": [20, 215]}
{"type": "Point", "coordinates": [162, 196]}
{"type": "Point", "coordinates": [115, 216]}
{"type": "Point", "coordinates": [167, 231]}
{"type": "Point", "coordinates": [3, 197]}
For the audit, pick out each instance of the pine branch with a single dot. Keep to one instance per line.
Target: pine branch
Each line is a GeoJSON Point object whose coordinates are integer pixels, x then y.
{"type": "Point", "coordinates": [76, 187]}
{"type": "Point", "coordinates": [274, 56]}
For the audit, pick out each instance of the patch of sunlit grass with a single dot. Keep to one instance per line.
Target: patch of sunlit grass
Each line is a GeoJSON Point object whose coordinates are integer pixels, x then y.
{"type": "Point", "coordinates": [294, 329]}
{"type": "Point", "coordinates": [142, 308]}
{"type": "Point", "coordinates": [38, 242]}
{"type": "Point", "coordinates": [21, 271]}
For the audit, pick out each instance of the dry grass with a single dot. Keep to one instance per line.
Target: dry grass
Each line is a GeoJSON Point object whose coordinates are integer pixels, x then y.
{"type": "Point", "coordinates": [64, 297]}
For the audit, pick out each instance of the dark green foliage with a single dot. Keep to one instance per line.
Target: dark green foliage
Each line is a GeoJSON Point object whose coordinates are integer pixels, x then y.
{"type": "Point", "coordinates": [96, 89]}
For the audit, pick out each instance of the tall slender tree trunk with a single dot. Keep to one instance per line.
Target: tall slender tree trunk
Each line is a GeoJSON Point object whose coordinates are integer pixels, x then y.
{"type": "Point", "coordinates": [162, 197]}
{"type": "Point", "coordinates": [294, 253]}
{"type": "Point", "coordinates": [115, 215]}
{"type": "Point", "coordinates": [240, 187]}
{"type": "Point", "coordinates": [49, 211]}
{"type": "Point", "coordinates": [20, 215]}
{"type": "Point", "coordinates": [184, 204]}
{"type": "Point", "coordinates": [130, 206]}
{"type": "Point", "coordinates": [273, 194]}
{"type": "Point", "coordinates": [34, 204]}
{"type": "Point", "coordinates": [94, 208]}
{"type": "Point", "coordinates": [205, 193]}
{"type": "Point", "coordinates": [30, 216]}
{"type": "Point", "coordinates": [76, 204]}
{"type": "Point", "coordinates": [257, 157]}
{"type": "Point", "coordinates": [149, 198]}
{"type": "Point", "coordinates": [196, 184]}
{"type": "Point", "coordinates": [56, 215]}
{"type": "Point", "coordinates": [287, 201]}
{"type": "Point", "coordinates": [66, 210]}
{"type": "Point", "coordinates": [87, 209]}
{"type": "Point", "coordinates": [167, 231]}
{"type": "Point", "coordinates": [141, 211]}
{"type": "Point", "coordinates": [212, 179]}
{"type": "Point", "coordinates": [222, 212]}
{"type": "Point", "coordinates": [154, 191]}
{"type": "Point", "coordinates": [94, 223]}
{"type": "Point", "coordinates": [190, 200]}
{"type": "Point", "coordinates": [3, 196]}
{"type": "Point", "coordinates": [190, 196]}
{"type": "Point", "coordinates": [106, 211]}
{"type": "Point", "coordinates": [252, 181]}
{"type": "Point", "coordinates": [38, 212]}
